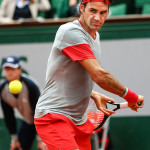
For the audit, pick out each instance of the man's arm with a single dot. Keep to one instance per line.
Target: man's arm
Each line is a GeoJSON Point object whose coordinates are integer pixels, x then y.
{"type": "Point", "coordinates": [106, 81]}
{"type": "Point", "coordinates": [34, 91]}
{"type": "Point", "coordinates": [9, 117]}
{"type": "Point", "coordinates": [102, 77]}
{"type": "Point", "coordinates": [10, 122]}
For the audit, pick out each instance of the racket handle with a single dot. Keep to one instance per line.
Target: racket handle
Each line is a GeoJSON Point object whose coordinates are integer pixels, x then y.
{"type": "Point", "coordinates": [124, 105]}
{"type": "Point", "coordinates": [139, 103]}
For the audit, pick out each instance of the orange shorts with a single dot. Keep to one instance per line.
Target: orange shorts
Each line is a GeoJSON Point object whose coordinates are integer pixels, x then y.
{"type": "Point", "coordinates": [60, 133]}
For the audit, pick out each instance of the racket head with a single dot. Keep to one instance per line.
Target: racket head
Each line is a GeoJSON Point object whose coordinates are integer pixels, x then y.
{"type": "Point", "coordinates": [94, 115]}
{"type": "Point", "coordinates": [97, 117]}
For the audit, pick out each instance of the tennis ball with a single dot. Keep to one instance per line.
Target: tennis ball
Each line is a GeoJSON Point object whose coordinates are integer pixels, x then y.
{"type": "Point", "coordinates": [15, 86]}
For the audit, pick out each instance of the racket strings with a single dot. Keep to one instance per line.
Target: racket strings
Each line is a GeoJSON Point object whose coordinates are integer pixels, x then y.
{"type": "Point", "coordinates": [95, 118]}
{"type": "Point", "coordinates": [94, 115]}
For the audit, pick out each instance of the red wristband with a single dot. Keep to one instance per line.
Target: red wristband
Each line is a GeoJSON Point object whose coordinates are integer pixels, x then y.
{"type": "Point", "coordinates": [131, 97]}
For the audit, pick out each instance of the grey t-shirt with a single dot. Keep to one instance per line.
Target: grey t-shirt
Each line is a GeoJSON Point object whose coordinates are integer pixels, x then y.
{"type": "Point", "coordinates": [68, 84]}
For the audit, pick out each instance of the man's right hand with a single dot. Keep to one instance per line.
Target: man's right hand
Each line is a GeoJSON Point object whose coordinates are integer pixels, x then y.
{"type": "Point", "coordinates": [15, 145]}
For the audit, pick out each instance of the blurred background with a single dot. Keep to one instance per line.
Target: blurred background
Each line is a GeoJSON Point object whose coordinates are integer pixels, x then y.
{"type": "Point", "coordinates": [125, 42]}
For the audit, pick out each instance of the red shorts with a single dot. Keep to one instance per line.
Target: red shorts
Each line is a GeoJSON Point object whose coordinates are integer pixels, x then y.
{"type": "Point", "coordinates": [60, 133]}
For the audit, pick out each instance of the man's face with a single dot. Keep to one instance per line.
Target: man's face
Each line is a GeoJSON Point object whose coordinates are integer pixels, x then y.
{"type": "Point", "coordinates": [94, 15]}
{"type": "Point", "coordinates": [12, 73]}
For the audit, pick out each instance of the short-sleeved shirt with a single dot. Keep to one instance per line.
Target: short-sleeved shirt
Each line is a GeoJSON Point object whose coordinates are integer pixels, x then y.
{"type": "Point", "coordinates": [68, 84]}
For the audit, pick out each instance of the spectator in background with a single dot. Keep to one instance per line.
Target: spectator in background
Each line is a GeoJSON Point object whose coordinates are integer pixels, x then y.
{"type": "Point", "coordinates": [24, 102]}
{"type": "Point", "coordinates": [12, 10]}
{"type": "Point", "coordinates": [67, 8]}
{"type": "Point", "coordinates": [74, 7]}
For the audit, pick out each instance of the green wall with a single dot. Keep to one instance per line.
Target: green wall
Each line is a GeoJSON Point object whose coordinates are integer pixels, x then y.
{"type": "Point", "coordinates": [46, 33]}
{"type": "Point", "coordinates": [130, 133]}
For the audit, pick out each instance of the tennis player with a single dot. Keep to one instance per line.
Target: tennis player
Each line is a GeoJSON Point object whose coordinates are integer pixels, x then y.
{"type": "Point", "coordinates": [73, 67]}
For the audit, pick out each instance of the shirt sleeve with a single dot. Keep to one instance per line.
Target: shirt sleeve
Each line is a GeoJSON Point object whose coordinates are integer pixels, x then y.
{"type": "Point", "coordinates": [74, 43]}
{"type": "Point", "coordinates": [79, 52]}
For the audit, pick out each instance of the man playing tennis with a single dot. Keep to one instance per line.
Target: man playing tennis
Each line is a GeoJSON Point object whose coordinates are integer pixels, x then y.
{"type": "Point", "coordinates": [73, 66]}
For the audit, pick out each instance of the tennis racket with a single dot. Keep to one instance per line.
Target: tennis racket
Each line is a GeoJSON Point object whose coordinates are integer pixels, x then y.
{"type": "Point", "coordinates": [98, 118]}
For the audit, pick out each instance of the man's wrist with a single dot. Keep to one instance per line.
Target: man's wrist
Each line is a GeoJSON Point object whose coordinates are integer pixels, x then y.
{"type": "Point", "coordinates": [14, 137]}
{"type": "Point", "coordinates": [38, 138]}
{"type": "Point", "coordinates": [130, 96]}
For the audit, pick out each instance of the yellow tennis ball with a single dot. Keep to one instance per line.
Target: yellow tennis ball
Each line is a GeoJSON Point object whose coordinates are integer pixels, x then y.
{"type": "Point", "coordinates": [15, 86]}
